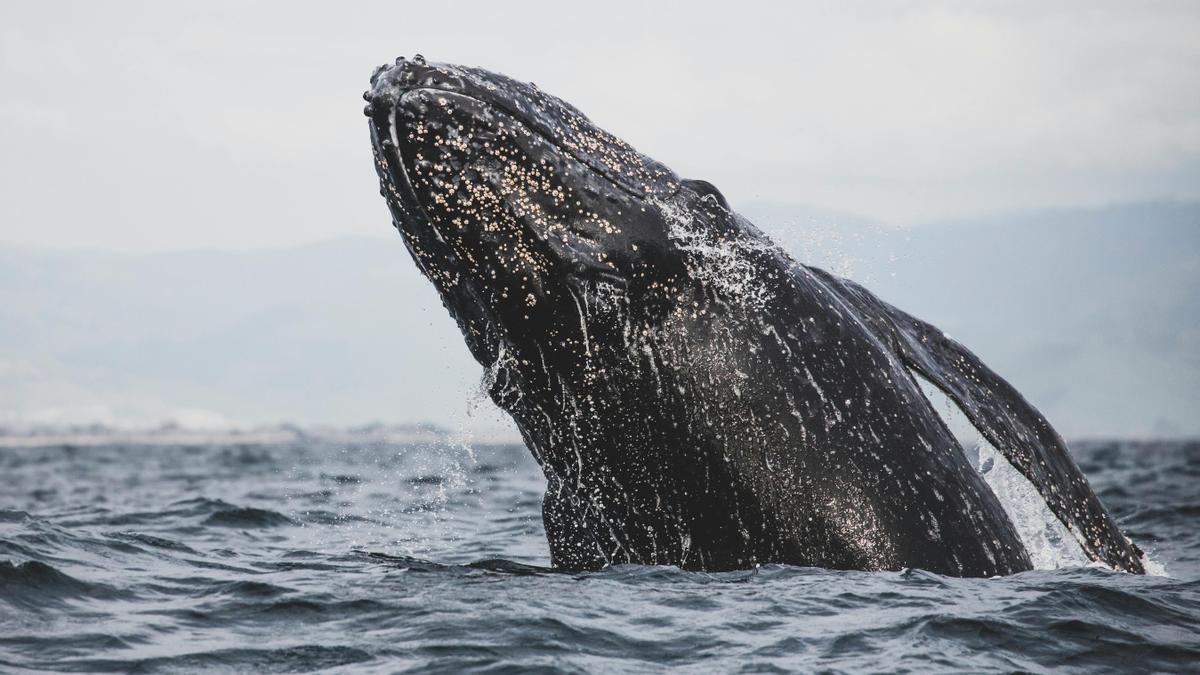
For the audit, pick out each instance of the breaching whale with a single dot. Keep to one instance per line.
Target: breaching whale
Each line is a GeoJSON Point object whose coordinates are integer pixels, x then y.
{"type": "Point", "coordinates": [694, 396]}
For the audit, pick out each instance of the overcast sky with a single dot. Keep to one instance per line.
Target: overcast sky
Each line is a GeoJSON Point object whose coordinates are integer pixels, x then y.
{"type": "Point", "coordinates": [157, 126]}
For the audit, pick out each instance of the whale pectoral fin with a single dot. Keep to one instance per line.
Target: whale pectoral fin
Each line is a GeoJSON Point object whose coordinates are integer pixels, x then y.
{"type": "Point", "coordinates": [1009, 422]}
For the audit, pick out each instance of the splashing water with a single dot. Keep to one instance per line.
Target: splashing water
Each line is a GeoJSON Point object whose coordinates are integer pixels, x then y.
{"type": "Point", "coordinates": [719, 263]}
{"type": "Point", "coordinates": [1051, 544]}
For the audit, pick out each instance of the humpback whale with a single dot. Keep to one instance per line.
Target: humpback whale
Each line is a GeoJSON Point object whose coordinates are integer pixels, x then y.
{"type": "Point", "coordinates": [694, 395]}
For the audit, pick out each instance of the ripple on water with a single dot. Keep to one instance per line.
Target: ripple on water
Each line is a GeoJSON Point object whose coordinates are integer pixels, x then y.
{"type": "Point", "coordinates": [297, 659]}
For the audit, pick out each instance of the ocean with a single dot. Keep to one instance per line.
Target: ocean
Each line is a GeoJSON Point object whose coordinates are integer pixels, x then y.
{"type": "Point", "coordinates": [298, 552]}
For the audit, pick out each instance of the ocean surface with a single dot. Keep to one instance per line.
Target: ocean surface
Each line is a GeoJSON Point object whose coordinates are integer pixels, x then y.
{"type": "Point", "coordinates": [308, 554]}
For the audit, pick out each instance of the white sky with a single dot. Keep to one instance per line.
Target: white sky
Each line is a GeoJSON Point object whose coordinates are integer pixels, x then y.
{"type": "Point", "coordinates": [159, 126]}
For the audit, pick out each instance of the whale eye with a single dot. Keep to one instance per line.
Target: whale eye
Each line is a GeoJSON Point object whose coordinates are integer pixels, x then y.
{"type": "Point", "coordinates": [706, 189]}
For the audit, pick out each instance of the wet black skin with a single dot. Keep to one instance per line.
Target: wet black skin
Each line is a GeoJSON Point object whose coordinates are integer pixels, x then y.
{"type": "Point", "coordinates": [694, 396]}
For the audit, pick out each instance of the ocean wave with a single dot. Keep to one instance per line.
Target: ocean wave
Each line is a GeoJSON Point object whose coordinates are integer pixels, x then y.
{"type": "Point", "coordinates": [247, 517]}
{"type": "Point", "coordinates": [32, 583]}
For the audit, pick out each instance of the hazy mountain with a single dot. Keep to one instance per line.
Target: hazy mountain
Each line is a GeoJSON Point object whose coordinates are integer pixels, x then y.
{"type": "Point", "coordinates": [342, 332]}
{"type": "Point", "coordinates": [1094, 314]}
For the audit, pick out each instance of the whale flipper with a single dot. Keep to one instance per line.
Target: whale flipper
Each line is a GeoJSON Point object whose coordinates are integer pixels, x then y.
{"type": "Point", "coordinates": [1010, 423]}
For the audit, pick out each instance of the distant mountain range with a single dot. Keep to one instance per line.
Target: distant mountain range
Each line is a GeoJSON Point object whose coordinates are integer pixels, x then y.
{"type": "Point", "coordinates": [1094, 314]}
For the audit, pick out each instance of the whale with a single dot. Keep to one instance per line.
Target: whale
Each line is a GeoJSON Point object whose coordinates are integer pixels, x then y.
{"type": "Point", "coordinates": [694, 395]}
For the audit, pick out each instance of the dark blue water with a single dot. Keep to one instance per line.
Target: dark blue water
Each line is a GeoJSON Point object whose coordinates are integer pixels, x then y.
{"type": "Point", "coordinates": [382, 557]}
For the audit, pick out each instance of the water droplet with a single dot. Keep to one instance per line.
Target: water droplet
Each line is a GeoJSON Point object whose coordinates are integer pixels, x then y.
{"type": "Point", "coordinates": [418, 59]}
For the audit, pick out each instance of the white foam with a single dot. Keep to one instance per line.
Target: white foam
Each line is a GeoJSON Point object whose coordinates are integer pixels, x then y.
{"type": "Point", "coordinates": [727, 266]}
{"type": "Point", "coordinates": [1051, 544]}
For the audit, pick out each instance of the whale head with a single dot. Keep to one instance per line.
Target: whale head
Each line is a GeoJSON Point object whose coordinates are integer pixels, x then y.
{"type": "Point", "coordinates": [518, 208]}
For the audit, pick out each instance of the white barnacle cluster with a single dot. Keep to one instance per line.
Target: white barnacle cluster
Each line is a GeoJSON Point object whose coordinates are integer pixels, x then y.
{"type": "Point", "coordinates": [574, 132]}
{"type": "Point", "coordinates": [496, 207]}
{"type": "Point", "coordinates": [479, 178]}
{"type": "Point", "coordinates": [467, 175]}
{"type": "Point", "coordinates": [612, 153]}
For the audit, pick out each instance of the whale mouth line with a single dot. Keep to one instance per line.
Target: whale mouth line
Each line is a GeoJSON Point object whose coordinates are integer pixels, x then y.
{"type": "Point", "coordinates": [402, 183]}
{"type": "Point", "coordinates": [417, 219]}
